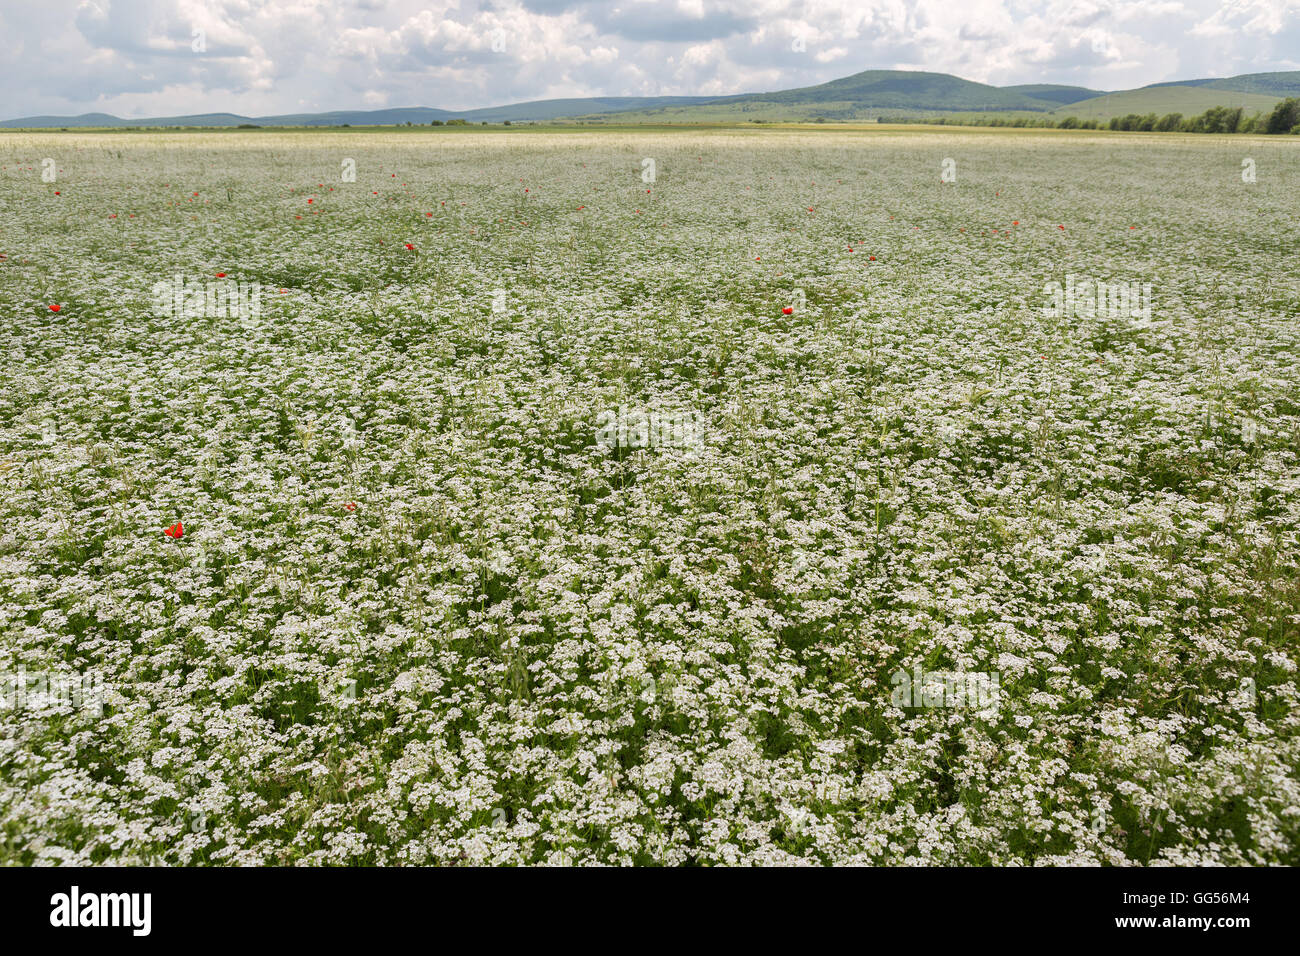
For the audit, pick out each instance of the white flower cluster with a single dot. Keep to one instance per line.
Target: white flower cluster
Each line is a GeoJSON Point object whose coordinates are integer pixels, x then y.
{"type": "Point", "coordinates": [364, 587]}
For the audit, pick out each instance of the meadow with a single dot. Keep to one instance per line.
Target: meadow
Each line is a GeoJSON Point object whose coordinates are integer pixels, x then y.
{"type": "Point", "coordinates": [518, 500]}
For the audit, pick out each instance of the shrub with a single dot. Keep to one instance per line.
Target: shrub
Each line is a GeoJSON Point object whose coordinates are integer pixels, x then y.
{"type": "Point", "coordinates": [1221, 119]}
{"type": "Point", "coordinates": [1285, 116]}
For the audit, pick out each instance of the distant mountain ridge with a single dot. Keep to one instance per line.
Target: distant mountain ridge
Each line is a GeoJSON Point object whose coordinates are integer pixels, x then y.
{"type": "Point", "coordinates": [421, 115]}
{"type": "Point", "coordinates": [1054, 93]}
{"type": "Point", "coordinates": [859, 96]}
{"type": "Point", "coordinates": [1280, 84]}
{"type": "Point", "coordinates": [899, 89]}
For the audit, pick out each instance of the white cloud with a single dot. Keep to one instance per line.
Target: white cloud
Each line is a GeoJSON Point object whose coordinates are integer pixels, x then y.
{"type": "Point", "coordinates": [134, 57]}
{"type": "Point", "coordinates": [831, 54]}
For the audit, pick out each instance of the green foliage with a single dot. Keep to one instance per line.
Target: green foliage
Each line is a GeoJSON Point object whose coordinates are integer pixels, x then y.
{"type": "Point", "coordinates": [1285, 116]}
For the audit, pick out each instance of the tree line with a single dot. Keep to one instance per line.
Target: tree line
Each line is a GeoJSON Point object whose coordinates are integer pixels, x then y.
{"type": "Point", "coordinates": [1285, 118]}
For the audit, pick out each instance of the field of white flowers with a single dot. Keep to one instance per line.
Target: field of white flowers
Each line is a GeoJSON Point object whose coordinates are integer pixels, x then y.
{"type": "Point", "coordinates": [539, 504]}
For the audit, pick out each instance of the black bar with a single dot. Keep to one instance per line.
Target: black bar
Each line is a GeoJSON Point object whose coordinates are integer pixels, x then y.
{"type": "Point", "coordinates": [295, 906]}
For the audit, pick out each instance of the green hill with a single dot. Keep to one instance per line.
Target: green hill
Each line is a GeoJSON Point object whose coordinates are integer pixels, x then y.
{"type": "Point", "coordinates": [1185, 99]}
{"type": "Point", "coordinates": [896, 89]}
{"type": "Point", "coordinates": [1276, 84]}
{"type": "Point", "coordinates": [1054, 93]}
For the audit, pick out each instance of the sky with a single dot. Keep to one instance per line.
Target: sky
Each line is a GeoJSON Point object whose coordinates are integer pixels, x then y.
{"type": "Point", "coordinates": [140, 58]}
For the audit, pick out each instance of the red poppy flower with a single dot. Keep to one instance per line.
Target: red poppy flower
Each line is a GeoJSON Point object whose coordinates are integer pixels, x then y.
{"type": "Point", "coordinates": [55, 307]}
{"type": "Point", "coordinates": [221, 275]}
{"type": "Point", "coordinates": [175, 531]}
{"type": "Point", "coordinates": [411, 247]}
{"type": "Point", "coordinates": [350, 506]}
{"type": "Point", "coordinates": [787, 310]}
